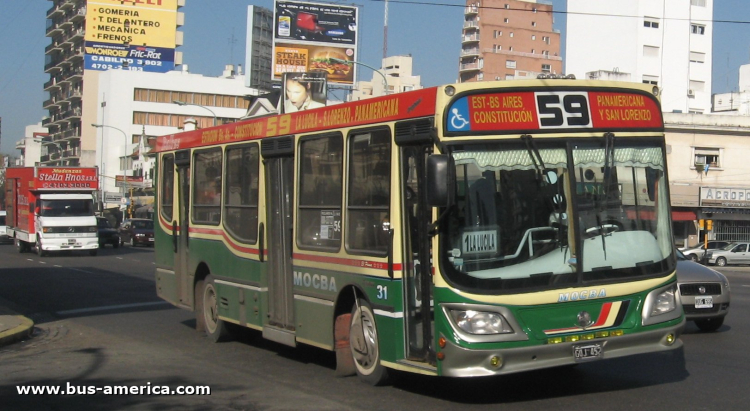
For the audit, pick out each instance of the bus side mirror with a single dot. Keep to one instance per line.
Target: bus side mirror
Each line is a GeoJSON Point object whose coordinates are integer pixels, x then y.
{"type": "Point", "coordinates": [441, 180]}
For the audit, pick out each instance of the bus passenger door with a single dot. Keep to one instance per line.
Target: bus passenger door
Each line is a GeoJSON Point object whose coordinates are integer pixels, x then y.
{"type": "Point", "coordinates": [279, 172]}
{"type": "Point", "coordinates": [417, 254]}
{"type": "Point", "coordinates": [180, 230]}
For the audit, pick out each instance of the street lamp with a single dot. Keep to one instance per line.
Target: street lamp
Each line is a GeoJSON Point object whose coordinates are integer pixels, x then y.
{"type": "Point", "coordinates": [385, 80]}
{"type": "Point", "coordinates": [182, 103]}
{"type": "Point", "coordinates": [124, 155]}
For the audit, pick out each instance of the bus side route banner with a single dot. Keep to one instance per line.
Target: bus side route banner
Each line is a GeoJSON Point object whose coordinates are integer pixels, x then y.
{"type": "Point", "coordinates": [419, 103]}
{"type": "Point", "coordinates": [550, 110]}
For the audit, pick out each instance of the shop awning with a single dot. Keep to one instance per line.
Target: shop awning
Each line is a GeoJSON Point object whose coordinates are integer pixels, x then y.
{"type": "Point", "coordinates": [679, 215]}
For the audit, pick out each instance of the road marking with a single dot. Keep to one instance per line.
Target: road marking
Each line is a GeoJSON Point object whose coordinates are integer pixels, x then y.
{"type": "Point", "coordinates": [58, 266]}
{"type": "Point", "coordinates": [109, 308]}
{"type": "Point", "coordinates": [78, 269]}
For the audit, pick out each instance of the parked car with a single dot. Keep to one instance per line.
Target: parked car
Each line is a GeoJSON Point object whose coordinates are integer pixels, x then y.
{"type": "Point", "coordinates": [732, 253]}
{"type": "Point", "coordinates": [137, 231]}
{"type": "Point", "coordinates": [107, 233]}
{"type": "Point", "coordinates": [697, 253]}
{"type": "Point", "coordinates": [3, 229]}
{"type": "Point", "coordinates": [704, 293]}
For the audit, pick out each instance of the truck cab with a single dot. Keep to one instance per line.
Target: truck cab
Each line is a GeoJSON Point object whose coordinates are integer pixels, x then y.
{"type": "Point", "coordinates": [65, 222]}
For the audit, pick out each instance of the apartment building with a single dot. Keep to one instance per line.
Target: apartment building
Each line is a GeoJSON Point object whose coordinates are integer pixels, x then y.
{"type": "Point", "coordinates": [508, 39]}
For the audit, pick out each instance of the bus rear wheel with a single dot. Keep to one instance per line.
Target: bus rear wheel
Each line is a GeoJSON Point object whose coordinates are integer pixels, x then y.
{"type": "Point", "coordinates": [208, 311]}
{"type": "Point", "coordinates": [363, 341]}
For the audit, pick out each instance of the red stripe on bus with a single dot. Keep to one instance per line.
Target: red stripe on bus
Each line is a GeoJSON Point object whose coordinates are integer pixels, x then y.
{"type": "Point", "coordinates": [603, 314]}
{"type": "Point", "coordinates": [345, 261]}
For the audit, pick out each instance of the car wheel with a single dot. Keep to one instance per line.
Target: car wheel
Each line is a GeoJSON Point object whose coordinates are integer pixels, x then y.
{"type": "Point", "coordinates": [364, 345]}
{"type": "Point", "coordinates": [710, 324]}
{"type": "Point", "coordinates": [721, 261]}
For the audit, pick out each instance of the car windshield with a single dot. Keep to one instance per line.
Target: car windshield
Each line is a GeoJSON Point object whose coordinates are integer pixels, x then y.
{"type": "Point", "coordinates": [145, 225]}
{"type": "Point", "coordinates": [67, 208]}
{"type": "Point", "coordinates": [728, 247]}
{"type": "Point", "coordinates": [510, 228]}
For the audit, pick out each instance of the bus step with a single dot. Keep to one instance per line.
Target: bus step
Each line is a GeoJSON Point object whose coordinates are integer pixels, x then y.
{"type": "Point", "coordinates": [279, 335]}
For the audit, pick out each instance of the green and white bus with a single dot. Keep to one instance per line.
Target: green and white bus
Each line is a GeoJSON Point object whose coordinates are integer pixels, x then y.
{"type": "Point", "coordinates": [472, 229]}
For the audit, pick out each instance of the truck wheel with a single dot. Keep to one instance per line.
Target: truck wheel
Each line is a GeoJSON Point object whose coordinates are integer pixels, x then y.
{"type": "Point", "coordinates": [21, 246]}
{"type": "Point", "coordinates": [39, 250]}
{"type": "Point", "coordinates": [363, 341]}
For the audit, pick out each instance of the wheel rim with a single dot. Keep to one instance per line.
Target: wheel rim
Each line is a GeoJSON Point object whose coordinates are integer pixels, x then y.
{"type": "Point", "coordinates": [210, 311]}
{"type": "Point", "coordinates": [721, 262]}
{"type": "Point", "coordinates": [363, 337]}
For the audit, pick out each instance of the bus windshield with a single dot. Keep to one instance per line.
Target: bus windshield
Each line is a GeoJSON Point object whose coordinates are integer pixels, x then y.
{"type": "Point", "coordinates": [67, 208]}
{"type": "Point", "coordinates": [557, 215]}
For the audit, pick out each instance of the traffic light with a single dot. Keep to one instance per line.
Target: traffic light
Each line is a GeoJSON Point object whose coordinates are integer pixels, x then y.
{"type": "Point", "coordinates": [709, 225]}
{"type": "Point", "coordinates": [701, 224]}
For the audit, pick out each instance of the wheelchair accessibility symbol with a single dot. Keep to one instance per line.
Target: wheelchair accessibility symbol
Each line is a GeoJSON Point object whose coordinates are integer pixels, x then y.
{"type": "Point", "coordinates": [458, 116]}
{"type": "Point", "coordinates": [457, 120]}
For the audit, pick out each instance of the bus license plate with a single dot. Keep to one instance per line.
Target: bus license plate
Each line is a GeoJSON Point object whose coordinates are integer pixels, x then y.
{"type": "Point", "coordinates": [704, 302]}
{"type": "Point", "coordinates": [71, 241]}
{"type": "Point", "coordinates": [587, 352]}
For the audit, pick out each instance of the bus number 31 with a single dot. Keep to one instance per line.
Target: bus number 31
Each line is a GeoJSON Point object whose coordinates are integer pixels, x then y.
{"type": "Point", "coordinates": [572, 111]}
{"type": "Point", "coordinates": [382, 292]}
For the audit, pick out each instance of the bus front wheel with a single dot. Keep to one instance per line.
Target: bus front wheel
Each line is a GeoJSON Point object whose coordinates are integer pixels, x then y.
{"type": "Point", "coordinates": [208, 311]}
{"type": "Point", "coordinates": [363, 341]}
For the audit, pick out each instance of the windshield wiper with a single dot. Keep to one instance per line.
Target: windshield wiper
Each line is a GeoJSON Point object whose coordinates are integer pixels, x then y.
{"type": "Point", "coordinates": [609, 153]}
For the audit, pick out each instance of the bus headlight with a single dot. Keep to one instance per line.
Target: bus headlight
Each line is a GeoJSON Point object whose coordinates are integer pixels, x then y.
{"type": "Point", "coordinates": [664, 303]}
{"type": "Point", "coordinates": [480, 322]}
{"type": "Point", "coordinates": [661, 305]}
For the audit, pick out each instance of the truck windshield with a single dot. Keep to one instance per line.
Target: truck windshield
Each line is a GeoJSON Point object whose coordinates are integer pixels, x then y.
{"type": "Point", "coordinates": [557, 216]}
{"type": "Point", "coordinates": [67, 208]}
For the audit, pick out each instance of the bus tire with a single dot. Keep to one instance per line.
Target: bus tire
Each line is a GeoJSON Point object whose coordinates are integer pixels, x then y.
{"type": "Point", "coordinates": [216, 329]}
{"type": "Point", "coordinates": [365, 349]}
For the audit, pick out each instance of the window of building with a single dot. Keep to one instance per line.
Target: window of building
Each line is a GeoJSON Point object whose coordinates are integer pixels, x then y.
{"type": "Point", "coordinates": [510, 48]}
{"type": "Point", "coordinates": [320, 187]}
{"type": "Point", "coordinates": [510, 64]}
{"type": "Point", "coordinates": [241, 194]}
{"type": "Point", "coordinates": [507, 6]}
{"type": "Point", "coordinates": [480, 76]}
{"type": "Point", "coordinates": [533, 51]}
{"type": "Point", "coordinates": [533, 24]}
{"type": "Point", "coordinates": [695, 111]}
{"type": "Point", "coordinates": [511, 34]}
{"type": "Point", "coordinates": [533, 10]}
{"type": "Point", "coordinates": [509, 76]}
{"type": "Point", "coordinates": [651, 80]}
{"type": "Point", "coordinates": [369, 194]}
{"type": "Point", "coordinates": [506, 20]}
{"type": "Point", "coordinates": [533, 37]}
{"type": "Point", "coordinates": [699, 3]}
{"type": "Point", "coordinates": [545, 52]}
{"type": "Point", "coordinates": [696, 57]}
{"type": "Point", "coordinates": [697, 85]}
{"type": "Point", "coordinates": [207, 168]}
{"type": "Point", "coordinates": [496, 48]}
{"type": "Point", "coordinates": [651, 22]}
{"type": "Point", "coordinates": [650, 51]}
{"type": "Point", "coordinates": [707, 156]}
{"type": "Point", "coordinates": [166, 196]}
{"type": "Point", "coordinates": [494, 34]}
{"type": "Point", "coordinates": [546, 68]}
{"type": "Point", "coordinates": [698, 29]}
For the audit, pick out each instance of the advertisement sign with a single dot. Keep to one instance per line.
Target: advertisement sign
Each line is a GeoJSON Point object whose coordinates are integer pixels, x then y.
{"type": "Point", "coordinates": [553, 110]}
{"type": "Point", "coordinates": [103, 56]}
{"type": "Point", "coordinates": [315, 37]}
{"type": "Point", "coordinates": [54, 178]}
{"type": "Point", "coordinates": [290, 58]}
{"type": "Point", "coordinates": [143, 23]}
{"type": "Point", "coordinates": [303, 91]}
{"type": "Point", "coordinates": [725, 197]}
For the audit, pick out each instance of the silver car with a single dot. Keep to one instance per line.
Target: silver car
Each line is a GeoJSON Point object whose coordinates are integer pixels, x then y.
{"type": "Point", "coordinates": [704, 294]}
{"type": "Point", "coordinates": [732, 253]}
{"type": "Point", "coordinates": [696, 253]}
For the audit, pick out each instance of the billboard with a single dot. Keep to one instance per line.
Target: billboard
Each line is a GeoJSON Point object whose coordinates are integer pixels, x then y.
{"type": "Point", "coordinates": [141, 31]}
{"type": "Point", "coordinates": [303, 91]}
{"type": "Point", "coordinates": [104, 56]}
{"type": "Point", "coordinates": [312, 37]}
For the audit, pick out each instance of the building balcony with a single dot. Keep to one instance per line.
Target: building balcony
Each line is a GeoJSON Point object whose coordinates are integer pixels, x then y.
{"type": "Point", "coordinates": [74, 152]}
{"type": "Point", "coordinates": [472, 52]}
{"type": "Point", "coordinates": [65, 25]}
{"type": "Point", "coordinates": [471, 25]}
{"type": "Point", "coordinates": [469, 67]}
{"type": "Point", "coordinates": [44, 159]}
{"type": "Point", "coordinates": [78, 15]}
{"type": "Point", "coordinates": [51, 84]}
{"type": "Point", "coordinates": [73, 134]}
{"type": "Point", "coordinates": [471, 38]}
{"type": "Point", "coordinates": [68, 5]}
{"type": "Point", "coordinates": [471, 10]}
{"type": "Point", "coordinates": [520, 54]}
{"type": "Point", "coordinates": [52, 67]}
{"type": "Point", "coordinates": [47, 104]}
{"type": "Point", "coordinates": [46, 121]}
{"type": "Point", "coordinates": [54, 30]}
{"type": "Point", "coordinates": [76, 74]}
{"type": "Point", "coordinates": [54, 11]}
{"type": "Point", "coordinates": [55, 46]}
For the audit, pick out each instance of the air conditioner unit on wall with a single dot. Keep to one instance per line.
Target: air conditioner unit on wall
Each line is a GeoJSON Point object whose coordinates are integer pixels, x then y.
{"type": "Point", "coordinates": [691, 93]}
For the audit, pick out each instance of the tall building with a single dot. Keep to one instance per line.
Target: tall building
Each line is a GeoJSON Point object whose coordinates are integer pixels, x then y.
{"type": "Point", "coordinates": [666, 43]}
{"type": "Point", "coordinates": [88, 37]}
{"type": "Point", "coordinates": [508, 39]}
{"type": "Point", "coordinates": [394, 76]}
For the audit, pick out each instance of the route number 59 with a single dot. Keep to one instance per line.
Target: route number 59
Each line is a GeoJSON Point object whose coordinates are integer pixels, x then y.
{"type": "Point", "coordinates": [561, 110]}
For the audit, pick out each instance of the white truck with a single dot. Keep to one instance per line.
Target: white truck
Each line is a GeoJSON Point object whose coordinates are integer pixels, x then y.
{"type": "Point", "coordinates": [52, 208]}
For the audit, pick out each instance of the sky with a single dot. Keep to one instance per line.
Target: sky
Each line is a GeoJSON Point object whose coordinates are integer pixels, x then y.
{"type": "Point", "coordinates": [214, 35]}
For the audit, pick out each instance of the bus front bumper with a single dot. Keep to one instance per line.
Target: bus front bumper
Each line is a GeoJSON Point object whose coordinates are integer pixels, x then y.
{"type": "Point", "coordinates": [463, 362]}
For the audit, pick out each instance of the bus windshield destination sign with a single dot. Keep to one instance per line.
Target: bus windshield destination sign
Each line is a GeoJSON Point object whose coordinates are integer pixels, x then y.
{"type": "Point", "coordinates": [552, 110]}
